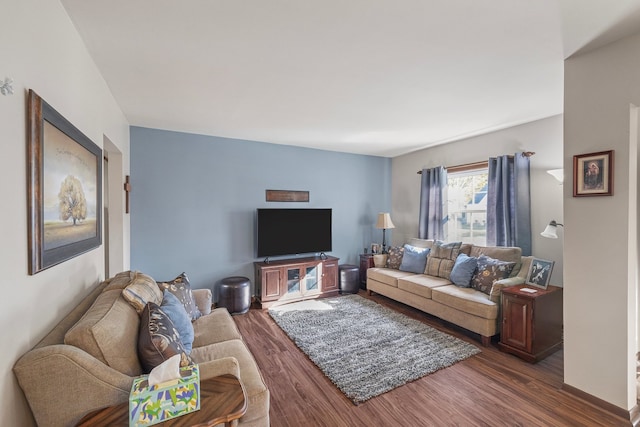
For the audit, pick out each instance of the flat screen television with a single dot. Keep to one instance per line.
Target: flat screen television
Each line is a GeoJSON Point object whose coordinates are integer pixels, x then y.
{"type": "Point", "coordinates": [293, 231]}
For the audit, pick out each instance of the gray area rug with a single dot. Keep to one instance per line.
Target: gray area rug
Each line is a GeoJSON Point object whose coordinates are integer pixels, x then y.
{"type": "Point", "coordinates": [366, 349]}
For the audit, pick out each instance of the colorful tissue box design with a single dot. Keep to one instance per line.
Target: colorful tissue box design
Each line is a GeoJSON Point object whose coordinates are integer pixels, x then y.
{"type": "Point", "coordinates": [153, 405]}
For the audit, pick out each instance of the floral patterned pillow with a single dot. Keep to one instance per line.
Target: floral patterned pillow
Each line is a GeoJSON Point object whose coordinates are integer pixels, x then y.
{"type": "Point", "coordinates": [181, 288]}
{"type": "Point", "coordinates": [489, 271]}
{"type": "Point", "coordinates": [395, 257]}
{"type": "Point", "coordinates": [158, 339]}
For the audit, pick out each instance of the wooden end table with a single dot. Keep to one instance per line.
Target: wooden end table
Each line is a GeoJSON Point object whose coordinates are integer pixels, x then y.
{"type": "Point", "coordinates": [223, 399]}
{"type": "Point", "coordinates": [366, 262]}
{"type": "Point", "coordinates": [531, 322]}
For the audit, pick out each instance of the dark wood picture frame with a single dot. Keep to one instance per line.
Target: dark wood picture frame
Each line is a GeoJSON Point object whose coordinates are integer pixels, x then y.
{"type": "Point", "coordinates": [286, 196]}
{"type": "Point", "coordinates": [593, 174]}
{"type": "Point", "coordinates": [539, 273]}
{"type": "Point", "coordinates": [64, 188]}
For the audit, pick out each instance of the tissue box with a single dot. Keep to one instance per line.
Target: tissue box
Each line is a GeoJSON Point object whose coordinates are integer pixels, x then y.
{"type": "Point", "coordinates": [153, 405]}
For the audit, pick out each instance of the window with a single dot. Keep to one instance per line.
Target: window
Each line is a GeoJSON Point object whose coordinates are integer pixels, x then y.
{"type": "Point", "coordinates": [467, 205]}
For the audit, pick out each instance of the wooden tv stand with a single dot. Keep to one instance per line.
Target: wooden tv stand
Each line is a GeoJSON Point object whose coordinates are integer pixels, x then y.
{"type": "Point", "coordinates": [287, 280]}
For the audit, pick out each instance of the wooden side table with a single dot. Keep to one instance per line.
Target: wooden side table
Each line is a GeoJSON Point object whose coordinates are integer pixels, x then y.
{"type": "Point", "coordinates": [366, 261]}
{"type": "Point", "coordinates": [223, 399]}
{"type": "Point", "coordinates": [531, 322]}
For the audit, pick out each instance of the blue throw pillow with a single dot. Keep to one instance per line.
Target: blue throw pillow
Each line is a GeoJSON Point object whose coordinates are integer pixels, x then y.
{"type": "Point", "coordinates": [173, 308]}
{"type": "Point", "coordinates": [463, 270]}
{"type": "Point", "coordinates": [414, 259]}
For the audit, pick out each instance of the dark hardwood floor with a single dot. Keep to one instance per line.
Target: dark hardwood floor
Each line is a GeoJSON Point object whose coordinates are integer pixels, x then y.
{"type": "Point", "coordinates": [489, 389]}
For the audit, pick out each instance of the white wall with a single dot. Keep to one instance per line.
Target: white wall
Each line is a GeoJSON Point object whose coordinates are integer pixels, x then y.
{"type": "Point", "coordinates": [544, 137]}
{"type": "Point", "coordinates": [600, 313]}
{"type": "Point", "coordinates": [41, 50]}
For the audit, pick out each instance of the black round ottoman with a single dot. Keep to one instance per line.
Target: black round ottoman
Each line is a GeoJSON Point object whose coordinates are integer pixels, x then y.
{"type": "Point", "coordinates": [234, 294]}
{"type": "Point", "coordinates": [349, 278]}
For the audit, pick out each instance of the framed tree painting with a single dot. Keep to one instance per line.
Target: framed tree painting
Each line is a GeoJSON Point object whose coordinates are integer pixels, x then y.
{"type": "Point", "coordinates": [593, 174]}
{"type": "Point", "coordinates": [64, 188]}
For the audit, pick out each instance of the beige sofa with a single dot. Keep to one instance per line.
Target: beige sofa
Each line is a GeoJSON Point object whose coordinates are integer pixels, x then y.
{"type": "Point", "coordinates": [63, 382]}
{"type": "Point", "coordinates": [466, 307]}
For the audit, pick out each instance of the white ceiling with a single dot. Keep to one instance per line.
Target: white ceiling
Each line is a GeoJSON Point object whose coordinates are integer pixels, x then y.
{"type": "Point", "coordinates": [379, 77]}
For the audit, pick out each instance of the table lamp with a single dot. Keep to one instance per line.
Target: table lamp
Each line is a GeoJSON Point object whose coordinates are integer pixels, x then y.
{"type": "Point", "coordinates": [384, 222]}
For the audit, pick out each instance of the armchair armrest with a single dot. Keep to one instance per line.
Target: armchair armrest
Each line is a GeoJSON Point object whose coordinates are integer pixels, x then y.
{"type": "Point", "coordinates": [203, 300]}
{"type": "Point", "coordinates": [90, 384]}
{"type": "Point", "coordinates": [217, 367]}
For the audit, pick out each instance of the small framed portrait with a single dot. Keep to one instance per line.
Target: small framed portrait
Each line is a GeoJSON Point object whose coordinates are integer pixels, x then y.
{"type": "Point", "coordinates": [375, 248]}
{"type": "Point", "coordinates": [593, 174]}
{"type": "Point", "coordinates": [539, 273]}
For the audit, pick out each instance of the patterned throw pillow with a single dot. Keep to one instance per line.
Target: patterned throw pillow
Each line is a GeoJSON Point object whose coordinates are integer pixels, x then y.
{"type": "Point", "coordinates": [489, 271]}
{"type": "Point", "coordinates": [173, 308]}
{"type": "Point", "coordinates": [181, 288]}
{"type": "Point", "coordinates": [158, 339]}
{"type": "Point", "coordinates": [442, 259]}
{"type": "Point", "coordinates": [395, 257]}
{"type": "Point", "coordinates": [141, 290]}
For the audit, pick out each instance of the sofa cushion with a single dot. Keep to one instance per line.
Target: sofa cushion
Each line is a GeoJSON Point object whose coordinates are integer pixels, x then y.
{"type": "Point", "coordinates": [463, 270]}
{"type": "Point", "coordinates": [181, 320]}
{"type": "Point", "coordinates": [216, 326]}
{"type": "Point", "coordinates": [386, 275]}
{"type": "Point", "coordinates": [442, 258]}
{"type": "Point", "coordinates": [467, 300]}
{"type": "Point", "coordinates": [414, 259]}
{"type": "Point", "coordinates": [257, 392]}
{"type": "Point", "coordinates": [489, 271]}
{"type": "Point", "coordinates": [395, 257]}
{"type": "Point", "coordinates": [109, 332]}
{"type": "Point", "coordinates": [181, 288]}
{"type": "Point", "coordinates": [421, 284]}
{"type": "Point", "coordinates": [158, 339]}
{"type": "Point", "coordinates": [503, 253]}
{"type": "Point", "coordinates": [141, 290]}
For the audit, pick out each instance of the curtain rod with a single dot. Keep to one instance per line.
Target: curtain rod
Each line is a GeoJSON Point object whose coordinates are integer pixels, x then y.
{"type": "Point", "coordinates": [478, 165]}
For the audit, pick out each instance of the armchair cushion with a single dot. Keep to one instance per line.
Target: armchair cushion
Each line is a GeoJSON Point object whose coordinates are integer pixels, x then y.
{"type": "Point", "coordinates": [181, 320]}
{"type": "Point", "coordinates": [141, 290]}
{"type": "Point", "coordinates": [109, 332]}
{"type": "Point", "coordinates": [181, 288]}
{"type": "Point", "coordinates": [158, 339]}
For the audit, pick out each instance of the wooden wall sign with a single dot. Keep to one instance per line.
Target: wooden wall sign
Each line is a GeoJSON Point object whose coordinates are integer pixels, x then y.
{"type": "Point", "coordinates": [287, 196]}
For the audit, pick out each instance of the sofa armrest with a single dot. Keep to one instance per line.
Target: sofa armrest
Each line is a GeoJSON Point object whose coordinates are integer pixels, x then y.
{"type": "Point", "coordinates": [500, 284]}
{"type": "Point", "coordinates": [52, 374]}
{"type": "Point", "coordinates": [217, 367]}
{"type": "Point", "coordinates": [203, 299]}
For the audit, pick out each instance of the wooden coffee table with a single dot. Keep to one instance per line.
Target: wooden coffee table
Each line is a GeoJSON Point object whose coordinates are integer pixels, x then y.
{"type": "Point", "coordinates": [223, 399]}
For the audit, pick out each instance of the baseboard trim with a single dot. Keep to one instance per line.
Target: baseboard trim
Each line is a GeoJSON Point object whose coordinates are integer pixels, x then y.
{"type": "Point", "coordinates": [632, 416]}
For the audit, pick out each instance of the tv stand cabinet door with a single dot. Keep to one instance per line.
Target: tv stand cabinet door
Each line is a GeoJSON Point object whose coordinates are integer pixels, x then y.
{"type": "Point", "coordinates": [330, 276]}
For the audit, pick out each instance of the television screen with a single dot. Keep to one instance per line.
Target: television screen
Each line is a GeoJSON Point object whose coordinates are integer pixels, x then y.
{"type": "Point", "coordinates": [293, 231]}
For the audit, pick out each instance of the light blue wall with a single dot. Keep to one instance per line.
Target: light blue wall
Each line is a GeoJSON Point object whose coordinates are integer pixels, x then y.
{"type": "Point", "coordinates": [194, 199]}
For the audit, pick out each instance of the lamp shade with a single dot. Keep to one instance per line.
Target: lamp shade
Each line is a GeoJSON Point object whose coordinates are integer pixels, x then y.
{"type": "Point", "coordinates": [550, 231]}
{"type": "Point", "coordinates": [557, 174]}
{"type": "Point", "coordinates": [384, 221]}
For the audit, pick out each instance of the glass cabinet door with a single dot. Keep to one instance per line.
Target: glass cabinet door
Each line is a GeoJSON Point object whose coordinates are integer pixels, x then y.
{"type": "Point", "coordinates": [293, 281]}
{"type": "Point", "coordinates": [311, 279]}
